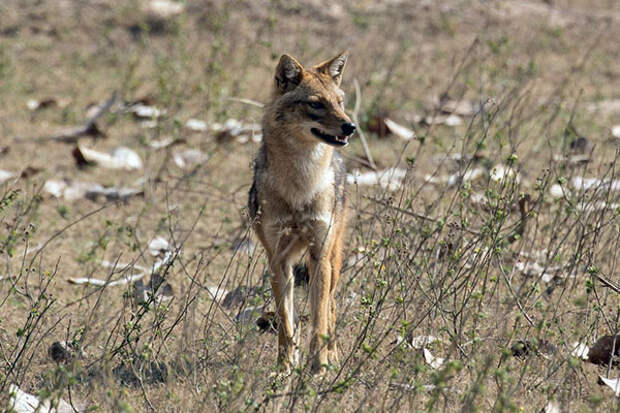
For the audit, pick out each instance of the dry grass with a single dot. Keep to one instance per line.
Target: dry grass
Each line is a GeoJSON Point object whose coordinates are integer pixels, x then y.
{"type": "Point", "coordinates": [425, 259]}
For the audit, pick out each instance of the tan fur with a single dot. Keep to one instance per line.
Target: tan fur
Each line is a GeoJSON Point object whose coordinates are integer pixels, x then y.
{"type": "Point", "coordinates": [297, 200]}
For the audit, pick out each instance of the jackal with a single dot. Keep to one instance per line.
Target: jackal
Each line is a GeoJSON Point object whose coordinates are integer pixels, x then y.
{"type": "Point", "coordinates": [297, 199]}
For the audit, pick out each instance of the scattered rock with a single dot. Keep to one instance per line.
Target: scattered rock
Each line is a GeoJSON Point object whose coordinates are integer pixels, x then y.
{"type": "Point", "coordinates": [158, 289]}
{"type": "Point", "coordinates": [522, 348]}
{"type": "Point", "coordinates": [581, 145]}
{"type": "Point", "coordinates": [141, 370]}
{"type": "Point", "coordinates": [239, 296]}
{"type": "Point", "coordinates": [268, 322]}
{"type": "Point", "coordinates": [615, 131]}
{"type": "Point", "coordinates": [605, 350]}
{"type": "Point", "coordinates": [248, 315]}
{"type": "Point", "coordinates": [62, 352]}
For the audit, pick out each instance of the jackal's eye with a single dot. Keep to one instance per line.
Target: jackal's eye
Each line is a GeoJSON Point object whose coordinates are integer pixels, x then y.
{"type": "Point", "coordinates": [316, 105]}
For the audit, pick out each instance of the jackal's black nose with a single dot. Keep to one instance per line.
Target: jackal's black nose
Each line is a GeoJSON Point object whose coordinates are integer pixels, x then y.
{"type": "Point", "coordinates": [348, 128]}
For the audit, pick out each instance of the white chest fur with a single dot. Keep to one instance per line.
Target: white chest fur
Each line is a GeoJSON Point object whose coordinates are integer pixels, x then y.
{"type": "Point", "coordinates": [306, 176]}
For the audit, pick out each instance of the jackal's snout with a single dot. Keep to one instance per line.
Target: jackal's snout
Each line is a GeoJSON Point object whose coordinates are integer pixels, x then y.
{"type": "Point", "coordinates": [348, 128]}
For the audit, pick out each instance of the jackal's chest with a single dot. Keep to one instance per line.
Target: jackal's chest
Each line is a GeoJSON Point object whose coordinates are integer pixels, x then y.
{"type": "Point", "coordinates": [303, 188]}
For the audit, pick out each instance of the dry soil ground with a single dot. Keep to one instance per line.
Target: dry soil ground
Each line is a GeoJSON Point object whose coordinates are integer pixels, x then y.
{"type": "Point", "coordinates": [505, 244]}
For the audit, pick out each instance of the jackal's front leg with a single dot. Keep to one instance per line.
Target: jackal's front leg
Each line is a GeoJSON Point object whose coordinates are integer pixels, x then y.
{"type": "Point", "coordinates": [282, 284]}
{"type": "Point", "coordinates": [320, 284]}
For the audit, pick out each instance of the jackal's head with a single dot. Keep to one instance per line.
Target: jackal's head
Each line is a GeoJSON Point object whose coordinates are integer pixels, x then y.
{"type": "Point", "coordinates": [309, 102]}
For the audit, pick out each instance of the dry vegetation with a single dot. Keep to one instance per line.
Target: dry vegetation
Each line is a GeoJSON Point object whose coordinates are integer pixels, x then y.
{"type": "Point", "coordinates": [501, 253]}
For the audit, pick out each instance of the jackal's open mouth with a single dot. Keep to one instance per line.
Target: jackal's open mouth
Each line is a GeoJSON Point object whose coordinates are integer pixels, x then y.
{"type": "Point", "coordinates": [331, 139]}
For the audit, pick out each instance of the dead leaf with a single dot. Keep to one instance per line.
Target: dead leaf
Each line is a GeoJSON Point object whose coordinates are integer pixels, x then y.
{"type": "Point", "coordinates": [448, 120]}
{"type": "Point", "coordinates": [164, 9]}
{"type": "Point", "coordinates": [120, 158]}
{"type": "Point", "coordinates": [501, 172]}
{"type": "Point", "coordinates": [196, 125]}
{"type": "Point", "coordinates": [73, 190]}
{"type": "Point", "coordinates": [580, 350]}
{"type": "Point", "coordinates": [158, 245]}
{"type": "Point", "coordinates": [584, 184]}
{"type": "Point", "coordinates": [48, 102]}
{"type": "Point", "coordinates": [5, 175]}
{"type": "Point", "coordinates": [605, 107]}
{"type": "Point", "coordinates": [457, 107]}
{"type": "Point", "coordinates": [613, 384]}
{"type": "Point", "coordinates": [399, 130]}
{"type": "Point", "coordinates": [557, 191]}
{"type": "Point", "coordinates": [234, 129]}
{"type": "Point", "coordinates": [217, 293]}
{"type": "Point", "coordinates": [552, 407]}
{"type": "Point", "coordinates": [470, 175]}
{"type": "Point", "coordinates": [72, 135]}
{"type": "Point", "coordinates": [22, 402]}
{"type": "Point", "coordinates": [534, 269]}
{"type": "Point", "coordinates": [166, 143]}
{"type": "Point", "coordinates": [434, 362]}
{"type": "Point", "coordinates": [418, 342]}
{"type": "Point", "coordinates": [95, 281]}
{"type": "Point", "coordinates": [189, 158]}
{"type": "Point", "coordinates": [142, 111]}
{"type": "Point", "coordinates": [158, 290]}
{"type": "Point", "coordinates": [390, 179]}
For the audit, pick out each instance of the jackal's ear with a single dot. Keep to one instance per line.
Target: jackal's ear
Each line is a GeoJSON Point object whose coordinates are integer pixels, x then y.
{"type": "Point", "coordinates": [334, 67]}
{"type": "Point", "coordinates": [288, 73]}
